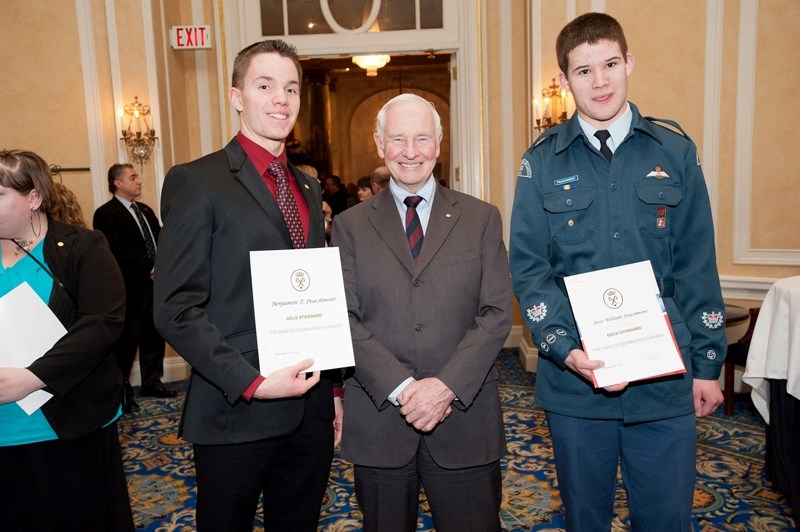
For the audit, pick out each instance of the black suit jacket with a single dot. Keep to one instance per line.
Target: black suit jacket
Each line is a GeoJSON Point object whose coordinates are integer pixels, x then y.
{"type": "Point", "coordinates": [80, 370]}
{"type": "Point", "coordinates": [216, 210]}
{"type": "Point", "coordinates": [127, 244]}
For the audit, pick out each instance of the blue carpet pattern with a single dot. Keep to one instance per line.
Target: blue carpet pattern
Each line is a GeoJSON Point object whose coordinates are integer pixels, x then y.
{"type": "Point", "coordinates": [731, 492]}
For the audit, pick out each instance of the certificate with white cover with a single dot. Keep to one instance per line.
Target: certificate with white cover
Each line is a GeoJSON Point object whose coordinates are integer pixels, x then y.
{"type": "Point", "coordinates": [28, 329]}
{"type": "Point", "coordinates": [622, 321]}
{"type": "Point", "coordinates": [300, 309]}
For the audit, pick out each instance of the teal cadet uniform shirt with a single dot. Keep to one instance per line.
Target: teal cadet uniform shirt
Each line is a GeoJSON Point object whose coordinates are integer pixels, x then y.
{"type": "Point", "coordinates": [575, 212]}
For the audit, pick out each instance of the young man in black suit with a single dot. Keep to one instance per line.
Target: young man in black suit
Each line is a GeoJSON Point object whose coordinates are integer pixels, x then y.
{"type": "Point", "coordinates": [132, 229]}
{"type": "Point", "coordinates": [251, 433]}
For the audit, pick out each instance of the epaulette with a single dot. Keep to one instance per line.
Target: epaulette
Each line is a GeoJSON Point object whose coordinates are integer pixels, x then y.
{"type": "Point", "coordinates": [674, 126]}
{"type": "Point", "coordinates": [541, 138]}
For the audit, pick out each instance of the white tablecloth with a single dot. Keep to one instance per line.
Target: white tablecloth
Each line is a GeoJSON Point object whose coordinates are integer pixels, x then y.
{"type": "Point", "coordinates": [775, 347]}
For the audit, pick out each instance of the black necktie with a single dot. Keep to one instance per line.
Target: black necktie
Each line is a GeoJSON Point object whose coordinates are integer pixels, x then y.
{"type": "Point", "coordinates": [286, 203]}
{"type": "Point", "coordinates": [413, 225]}
{"type": "Point", "coordinates": [149, 245]}
{"type": "Point", "coordinates": [603, 135]}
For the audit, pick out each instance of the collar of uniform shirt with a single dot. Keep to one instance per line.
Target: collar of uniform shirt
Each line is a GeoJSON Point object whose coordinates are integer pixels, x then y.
{"type": "Point", "coordinates": [618, 129]}
{"type": "Point", "coordinates": [260, 156]}
{"type": "Point", "coordinates": [423, 209]}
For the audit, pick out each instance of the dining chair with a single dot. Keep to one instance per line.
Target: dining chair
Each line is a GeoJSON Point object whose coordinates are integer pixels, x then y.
{"type": "Point", "coordinates": [737, 356]}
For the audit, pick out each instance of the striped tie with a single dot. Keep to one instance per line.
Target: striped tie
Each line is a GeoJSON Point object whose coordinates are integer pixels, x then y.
{"type": "Point", "coordinates": [413, 225]}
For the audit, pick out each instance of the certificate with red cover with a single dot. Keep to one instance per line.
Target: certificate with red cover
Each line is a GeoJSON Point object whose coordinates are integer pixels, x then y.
{"type": "Point", "coordinates": [622, 321]}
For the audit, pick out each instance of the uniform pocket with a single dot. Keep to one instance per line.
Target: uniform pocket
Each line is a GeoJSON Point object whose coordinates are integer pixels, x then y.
{"type": "Point", "coordinates": [568, 214]}
{"type": "Point", "coordinates": [654, 208]}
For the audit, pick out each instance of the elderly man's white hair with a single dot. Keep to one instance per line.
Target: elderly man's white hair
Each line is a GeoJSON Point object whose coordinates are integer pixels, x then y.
{"type": "Point", "coordinates": [406, 97]}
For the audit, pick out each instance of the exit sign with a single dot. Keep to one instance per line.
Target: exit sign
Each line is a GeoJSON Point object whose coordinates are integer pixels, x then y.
{"type": "Point", "coordinates": [190, 37]}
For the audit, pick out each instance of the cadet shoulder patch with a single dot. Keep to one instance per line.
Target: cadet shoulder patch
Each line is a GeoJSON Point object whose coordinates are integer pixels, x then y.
{"type": "Point", "coordinates": [525, 169]}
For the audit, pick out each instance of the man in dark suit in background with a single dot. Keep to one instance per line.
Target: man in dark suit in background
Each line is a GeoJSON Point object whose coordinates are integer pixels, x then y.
{"type": "Point", "coordinates": [251, 433]}
{"type": "Point", "coordinates": [380, 179]}
{"type": "Point", "coordinates": [430, 307]}
{"type": "Point", "coordinates": [131, 228]}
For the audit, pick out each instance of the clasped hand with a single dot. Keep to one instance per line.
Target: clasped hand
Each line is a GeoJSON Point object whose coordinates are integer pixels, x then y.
{"type": "Point", "coordinates": [426, 403]}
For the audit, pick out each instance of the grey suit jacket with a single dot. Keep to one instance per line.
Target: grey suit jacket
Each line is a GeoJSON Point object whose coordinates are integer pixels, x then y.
{"type": "Point", "coordinates": [447, 317]}
{"type": "Point", "coordinates": [216, 210]}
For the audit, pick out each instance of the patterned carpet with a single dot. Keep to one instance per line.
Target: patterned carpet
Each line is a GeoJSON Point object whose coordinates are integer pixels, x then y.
{"type": "Point", "coordinates": [731, 493]}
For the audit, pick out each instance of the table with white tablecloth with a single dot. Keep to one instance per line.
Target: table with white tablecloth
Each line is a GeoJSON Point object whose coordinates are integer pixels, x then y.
{"type": "Point", "coordinates": [773, 371]}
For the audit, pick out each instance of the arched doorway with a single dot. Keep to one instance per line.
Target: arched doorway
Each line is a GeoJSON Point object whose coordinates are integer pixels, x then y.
{"type": "Point", "coordinates": [454, 36]}
{"type": "Point", "coordinates": [337, 118]}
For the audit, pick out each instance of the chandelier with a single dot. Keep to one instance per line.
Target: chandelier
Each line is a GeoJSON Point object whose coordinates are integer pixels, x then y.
{"type": "Point", "coordinates": [139, 142]}
{"type": "Point", "coordinates": [371, 63]}
{"type": "Point", "coordinates": [554, 108]}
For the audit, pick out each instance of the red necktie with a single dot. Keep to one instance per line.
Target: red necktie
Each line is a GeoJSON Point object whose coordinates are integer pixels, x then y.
{"type": "Point", "coordinates": [287, 204]}
{"type": "Point", "coordinates": [413, 225]}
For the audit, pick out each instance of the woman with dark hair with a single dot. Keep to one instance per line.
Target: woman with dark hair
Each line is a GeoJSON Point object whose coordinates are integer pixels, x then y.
{"type": "Point", "coordinates": [364, 190]}
{"type": "Point", "coordinates": [62, 464]}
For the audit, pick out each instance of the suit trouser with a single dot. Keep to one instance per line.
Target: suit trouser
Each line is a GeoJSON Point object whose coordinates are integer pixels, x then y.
{"type": "Point", "coordinates": [461, 500]}
{"type": "Point", "coordinates": [140, 333]}
{"type": "Point", "coordinates": [657, 459]}
{"type": "Point", "coordinates": [65, 485]}
{"type": "Point", "coordinates": [291, 471]}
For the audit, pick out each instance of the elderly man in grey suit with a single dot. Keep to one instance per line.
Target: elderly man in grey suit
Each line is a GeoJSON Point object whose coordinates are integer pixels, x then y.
{"type": "Point", "coordinates": [429, 298]}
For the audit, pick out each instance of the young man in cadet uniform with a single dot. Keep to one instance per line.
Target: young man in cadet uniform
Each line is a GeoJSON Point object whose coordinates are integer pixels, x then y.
{"type": "Point", "coordinates": [608, 188]}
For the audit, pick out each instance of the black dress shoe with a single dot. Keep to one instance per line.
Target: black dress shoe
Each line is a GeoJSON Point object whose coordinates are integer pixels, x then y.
{"type": "Point", "coordinates": [130, 407]}
{"type": "Point", "coordinates": [159, 390]}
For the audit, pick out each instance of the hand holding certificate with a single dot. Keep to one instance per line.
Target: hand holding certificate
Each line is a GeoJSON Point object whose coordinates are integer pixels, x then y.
{"type": "Point", "coordinates": [622, 322]}
{"type": "Point", "coordinates": [300, 309]}
{"type": "Point", "coordinates": [28, 329]}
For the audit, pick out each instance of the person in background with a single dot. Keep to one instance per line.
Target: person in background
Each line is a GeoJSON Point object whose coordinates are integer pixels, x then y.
{"type": "Point", "coordinates": [335, 194]}
{"type": "Point", "coordinates": [364, 191]}
{"type": "Point", "coordinates": [310, 171]}
{"type": "Point", "coordinates": [327, 215]}
{"type": "Point", "coordinates": [66, 207]}
{"type": "Point", "coordinates": [62, 464]}
{"type": "Point", "coordinates": [429, 296]}
{"type": "Point", "coordinates": [607, 188]}
{"type": "Point", "coordinates": [252, 434]}
{"type": "Point", "coordinates": [380, 179]}
{"type": "Point", "coordinates": [132, 230]}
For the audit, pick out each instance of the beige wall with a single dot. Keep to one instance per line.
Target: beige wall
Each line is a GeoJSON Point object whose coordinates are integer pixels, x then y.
{"type": "Point", "coordinates": [667, 38]}
{"type": "Point", "coordinates": [53, 102]}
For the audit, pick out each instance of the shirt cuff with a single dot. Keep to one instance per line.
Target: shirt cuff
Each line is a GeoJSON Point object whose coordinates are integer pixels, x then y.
{"type": "Point", "coordinates": [251, 390]}
{"type": "Point", "coordinates": [338, 391]}
{"type": "Point", "coordinates": [397, 391]}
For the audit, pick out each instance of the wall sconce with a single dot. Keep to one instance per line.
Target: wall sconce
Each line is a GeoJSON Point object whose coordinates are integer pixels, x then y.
{"type": "Point", "coordinates": [140, 142]}
{"type": "Point", "coordinates": [554, 108]}
{"type": "Point", "coordinates": [371, 63]}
